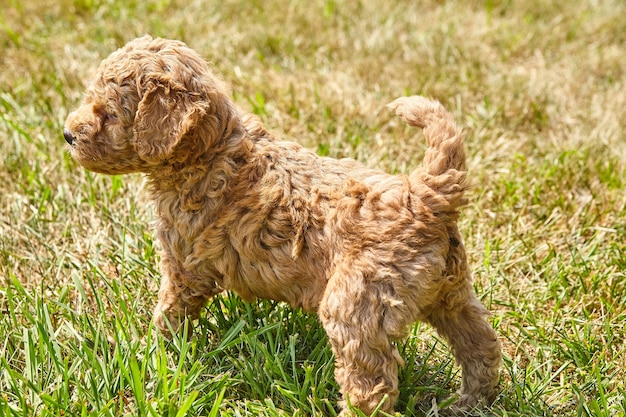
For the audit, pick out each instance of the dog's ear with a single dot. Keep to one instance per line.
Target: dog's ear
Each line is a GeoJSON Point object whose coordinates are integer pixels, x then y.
{"type": "Point", "coordinates": [164, 115]}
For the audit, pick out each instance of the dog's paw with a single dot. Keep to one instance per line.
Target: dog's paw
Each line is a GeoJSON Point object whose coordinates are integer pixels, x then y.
{"type": "Point", "coordinates": [463, 405]}
{"type": "Point", "coordinates": [166, 321]}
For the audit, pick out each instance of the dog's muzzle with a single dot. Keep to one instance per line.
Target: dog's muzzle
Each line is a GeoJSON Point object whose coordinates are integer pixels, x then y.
{"type": "Point", "coordinates": [69, 138]}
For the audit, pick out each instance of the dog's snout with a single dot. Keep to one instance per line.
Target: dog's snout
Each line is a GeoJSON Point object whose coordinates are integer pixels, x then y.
{"type": "Point", "coordinates": [69, 138]}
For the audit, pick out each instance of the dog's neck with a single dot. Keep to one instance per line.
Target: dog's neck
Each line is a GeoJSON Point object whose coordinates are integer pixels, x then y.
{"type": "Point", "coordinates": [190, 196]}
{"type": "Point", "coordinates": [201, 177]}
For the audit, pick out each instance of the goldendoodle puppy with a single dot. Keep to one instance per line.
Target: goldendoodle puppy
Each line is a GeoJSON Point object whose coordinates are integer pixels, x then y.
{"type": "Point", "coordinates": [240, 210]}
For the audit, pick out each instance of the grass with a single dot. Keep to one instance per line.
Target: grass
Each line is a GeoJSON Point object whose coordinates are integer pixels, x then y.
{"type": "Point", "coordinates": [539, 87]}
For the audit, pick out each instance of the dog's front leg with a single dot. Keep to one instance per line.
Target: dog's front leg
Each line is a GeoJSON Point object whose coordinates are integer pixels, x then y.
{"type": "Point", "coordinates": [181, 295]}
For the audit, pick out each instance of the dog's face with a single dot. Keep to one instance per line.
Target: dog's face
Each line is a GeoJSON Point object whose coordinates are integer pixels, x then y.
{"type": "Point", "coordinates": [144, 99]}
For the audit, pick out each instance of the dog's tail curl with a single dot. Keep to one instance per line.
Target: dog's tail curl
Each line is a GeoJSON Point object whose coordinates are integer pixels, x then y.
{"type": "Point", "coordinates": [443, 169]}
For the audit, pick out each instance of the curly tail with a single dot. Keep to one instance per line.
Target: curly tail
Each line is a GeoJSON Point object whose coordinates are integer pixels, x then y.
{"type": "Point", "coordinates": [443, 169]}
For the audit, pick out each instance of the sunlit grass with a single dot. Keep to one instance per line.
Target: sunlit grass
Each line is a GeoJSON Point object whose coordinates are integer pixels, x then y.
{"type": "Point", "coordinates": [540, 90]}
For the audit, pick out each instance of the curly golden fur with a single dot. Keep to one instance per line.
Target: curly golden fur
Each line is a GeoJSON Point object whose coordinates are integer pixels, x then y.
{"type": "Point", "coordinates": [240, 210]}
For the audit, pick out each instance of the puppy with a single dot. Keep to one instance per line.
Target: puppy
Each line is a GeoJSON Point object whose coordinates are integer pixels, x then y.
{"type": "Point", "coordinates": [240, 210]}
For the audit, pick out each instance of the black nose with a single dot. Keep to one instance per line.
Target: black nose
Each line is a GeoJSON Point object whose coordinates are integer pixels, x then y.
{"type": "Point", "coordinates": [69, 138]}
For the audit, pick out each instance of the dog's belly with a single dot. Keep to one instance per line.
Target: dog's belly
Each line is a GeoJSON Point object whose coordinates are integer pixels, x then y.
{"type": "Point", "coordinates": [280, 279]}
{"type": "Point", "coordinates": [273, 276]}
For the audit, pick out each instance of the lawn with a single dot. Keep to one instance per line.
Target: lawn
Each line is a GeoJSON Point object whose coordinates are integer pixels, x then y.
{"type": "Point", "coordinates": [540, 89]}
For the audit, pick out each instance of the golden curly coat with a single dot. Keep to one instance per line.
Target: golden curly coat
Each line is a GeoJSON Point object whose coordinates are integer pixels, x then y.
{"type": "Point", "coordinates": [240, 210]}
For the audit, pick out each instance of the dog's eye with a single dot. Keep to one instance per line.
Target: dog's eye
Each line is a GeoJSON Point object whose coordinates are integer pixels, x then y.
{"type": "Point", "coordinates": [108, 117]}
{"type": "Point", "coordinates": [104, 114]}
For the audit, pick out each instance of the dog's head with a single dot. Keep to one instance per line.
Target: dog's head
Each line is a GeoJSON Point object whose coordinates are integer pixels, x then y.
{"type": "Point", "coordinates": [144, 108]}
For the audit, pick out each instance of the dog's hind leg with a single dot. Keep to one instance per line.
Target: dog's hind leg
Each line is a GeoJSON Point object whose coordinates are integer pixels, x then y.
{"type": "Point", "coordinates": [476, 348]}
{"type": "Point", "coordinates": [367, 361]}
